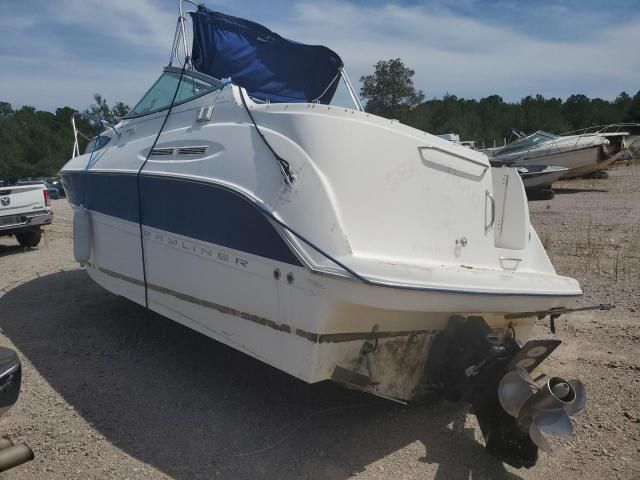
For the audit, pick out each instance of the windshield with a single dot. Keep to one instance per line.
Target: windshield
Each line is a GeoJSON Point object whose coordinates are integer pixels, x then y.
{"type": "Point", "coordinates": [160, 94]}
{"type": "Point", "coordinates": [531, 141]}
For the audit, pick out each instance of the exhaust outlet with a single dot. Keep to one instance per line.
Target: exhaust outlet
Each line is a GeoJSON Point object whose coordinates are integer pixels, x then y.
{"type": "Point", "coordinates": [15, 455]}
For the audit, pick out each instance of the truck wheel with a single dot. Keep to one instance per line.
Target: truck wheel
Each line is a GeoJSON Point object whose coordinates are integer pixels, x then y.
{"type": "Point", "coordinates": [30, 238]}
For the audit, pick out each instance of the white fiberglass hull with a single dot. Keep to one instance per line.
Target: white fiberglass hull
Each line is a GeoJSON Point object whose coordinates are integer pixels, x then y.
{"type": "Point", "coordinates": [580, 154]}
{"type": "Point", "coordinates": [541, 177]}
{"type": "Point", "coordinates": [307, 328]}
{"type": "Point", "coordinates": [386, 233]}
{"type": "Point", "coordinates": [578, 162]}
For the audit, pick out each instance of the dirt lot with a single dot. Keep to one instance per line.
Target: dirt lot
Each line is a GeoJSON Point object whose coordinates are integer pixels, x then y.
{"type": "Point", "coordinates": [112, 391]}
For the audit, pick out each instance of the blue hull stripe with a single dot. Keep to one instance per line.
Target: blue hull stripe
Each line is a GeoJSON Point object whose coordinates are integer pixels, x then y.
{"type": "Point", "coordinates": [198, 210]}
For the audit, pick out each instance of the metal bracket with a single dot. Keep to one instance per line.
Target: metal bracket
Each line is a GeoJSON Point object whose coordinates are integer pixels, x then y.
{"type": "Point", "coordinates": [367, 346]}
{"type": "Point", "coordinates": [556, 312]}
{"type": "Point", "coordinates": [367, 351]}
{"type": "Point", "coordinates": [205, 114]}
{"type": "Point", "coordinates": [533, 353]}
{"type": "Point", "coordinates": [497, 348]}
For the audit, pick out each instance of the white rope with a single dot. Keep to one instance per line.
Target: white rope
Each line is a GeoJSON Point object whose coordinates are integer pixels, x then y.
{"type": "Point", "coordinates": [328, 87]}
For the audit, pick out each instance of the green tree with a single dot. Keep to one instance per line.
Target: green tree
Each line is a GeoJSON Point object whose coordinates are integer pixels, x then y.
{"type": "Point", "coordinates": [389, 91]}
{"type": "Point", "coordinates": [577, 110]}
{"type": "Point", "coordinates": [101, 109]}
{"type": "Point", "coordinates": [5, 109]}
{"type": "Point", "coordinates": [621, 105]}
{"type": "Point", "coordinates": [38, 143]}
{"type": "Point", "coordinates": [633, 112]}
{"type": "Point", "coordinates": [540, 113]}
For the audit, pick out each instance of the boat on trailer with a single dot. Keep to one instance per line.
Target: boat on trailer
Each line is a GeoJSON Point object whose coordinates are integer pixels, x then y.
{"type": "Point", "coordinates": [325, 241]}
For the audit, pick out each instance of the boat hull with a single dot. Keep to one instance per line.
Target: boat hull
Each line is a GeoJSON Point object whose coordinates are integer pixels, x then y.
{"type": "Point", "coordinates": [578, 162]}
{"type": "Point", "coordinates": [309, 325]}
{"type": "Point", "coordinates": [604, 162]}
{"type": "Point", "coordinates": [580, 155]}
{"type": "Point", "coordinates": [198, 225]}
{"type": "Point", "coordinates": [542, 178]}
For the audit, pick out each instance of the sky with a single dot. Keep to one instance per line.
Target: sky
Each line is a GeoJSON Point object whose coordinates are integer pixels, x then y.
{"type": "Point", "coordinates": [61, 52]}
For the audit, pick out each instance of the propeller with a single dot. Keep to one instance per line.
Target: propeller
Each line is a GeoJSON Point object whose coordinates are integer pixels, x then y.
{"type": "Point", "coordinates": [544, 410]}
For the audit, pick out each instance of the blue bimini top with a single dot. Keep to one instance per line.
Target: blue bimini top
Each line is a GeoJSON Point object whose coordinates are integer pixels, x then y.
{"type": "Point", "coordinates": [268, 66]}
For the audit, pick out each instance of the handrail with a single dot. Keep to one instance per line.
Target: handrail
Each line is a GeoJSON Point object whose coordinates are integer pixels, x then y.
{"type": "Point", "coordinates": [489, 195]}
{"type": "Point", "coordinates": [601, 128]}
{"type": "Point", "coordinates": [451, 152]}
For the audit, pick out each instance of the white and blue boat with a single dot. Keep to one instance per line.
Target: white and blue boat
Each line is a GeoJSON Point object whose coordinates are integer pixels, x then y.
{"type": "Point", "coordinates": [327, 242]}
{"type": "Point", "coordinates": [581, 153]}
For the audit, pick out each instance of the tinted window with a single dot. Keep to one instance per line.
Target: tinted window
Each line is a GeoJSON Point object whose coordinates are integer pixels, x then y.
{"type": "Point", "coordinates": [531, 141]}
{"type": "Point", "coordinates": [160, 95]}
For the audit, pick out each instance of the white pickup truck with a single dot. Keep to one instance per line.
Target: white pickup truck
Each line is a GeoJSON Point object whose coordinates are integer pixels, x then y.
{"type": "Point", "coordinates": [23, 211]}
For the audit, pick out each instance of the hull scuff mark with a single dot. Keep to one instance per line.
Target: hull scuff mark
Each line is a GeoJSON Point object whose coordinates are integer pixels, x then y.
{"type": "Point", "coordinates": [281, 327]}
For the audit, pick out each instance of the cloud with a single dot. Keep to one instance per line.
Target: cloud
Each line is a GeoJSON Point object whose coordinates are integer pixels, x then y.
{"type": "Point", "coordinates": [470, 57]}
{"type": "Point", "coordinates": [61, 53]}
{"type": "Point", "coordinates": [139, 24]}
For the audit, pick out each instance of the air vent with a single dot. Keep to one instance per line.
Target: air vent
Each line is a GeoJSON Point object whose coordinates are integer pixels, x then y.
{"type": "Point", "coordinates": [192, 150]}
{"type": "Point", "coordinates": [162, 152]}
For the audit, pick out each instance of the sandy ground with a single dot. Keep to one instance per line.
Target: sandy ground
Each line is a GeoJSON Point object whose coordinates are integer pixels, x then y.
{"type": "Point", "coordinates": [112, 391]}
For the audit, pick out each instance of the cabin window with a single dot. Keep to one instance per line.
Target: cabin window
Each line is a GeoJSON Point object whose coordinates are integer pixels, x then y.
{"type": "Point", "coordinates": [160, 94]}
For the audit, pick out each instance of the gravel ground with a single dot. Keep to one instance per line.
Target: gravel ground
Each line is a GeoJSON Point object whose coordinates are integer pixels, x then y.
{"type": "Point", "coordinates": [112, 391]}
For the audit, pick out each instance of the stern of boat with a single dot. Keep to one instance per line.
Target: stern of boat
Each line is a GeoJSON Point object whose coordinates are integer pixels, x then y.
{"type": "Point", "coordinates": [474, 363]}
